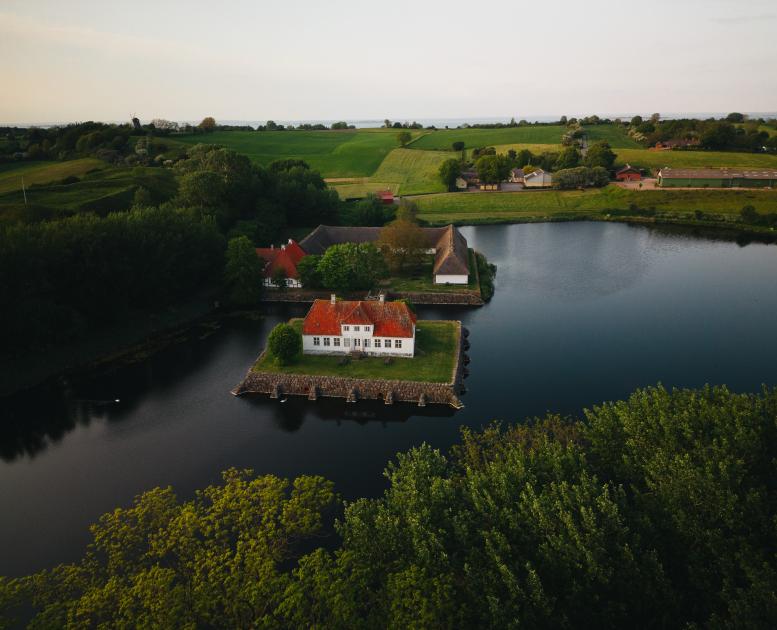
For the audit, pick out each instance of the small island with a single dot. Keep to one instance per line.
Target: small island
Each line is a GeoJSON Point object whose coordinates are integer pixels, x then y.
{"type": "Point", "coordinates": [362, 349]}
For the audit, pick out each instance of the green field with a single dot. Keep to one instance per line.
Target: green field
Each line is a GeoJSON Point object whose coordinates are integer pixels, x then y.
{"type": "Point", "coordinates": [679, 159]}
{"type": "Point", "coordinates": [435, 353]}
{"type": "Point", "coordinates": [442, 139]}
{"type": "Point", "coordinates": [615, 135]}
{"type": "Point", "coordinates": [43, 172]}
{"type": "Point", "coordinates": [103, 191]}
{"type": "Point", "coordinates": [352, 153]}
{"type": "Point", "coordinates": [404, 171]}
{"type": "Point", "coordinates": [541, 205]}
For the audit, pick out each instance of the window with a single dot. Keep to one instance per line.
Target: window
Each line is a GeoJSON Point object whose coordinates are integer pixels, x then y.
{"type": "Point", "coordinates": [316, 341]}
{"type": "Point", "coordinates": [357, 342]}
{"type": "Point", "coordinates": [366, 329]}
{"type": "Point", "coordinates": [327, 341]}
{"type": "Point", "coordinates": [366, 343]}
{"type": "Point", "coordinates": [356, 328]}
{"type": "Point", "coordinates": [337, 341]}
{"type": "Point", "coordinates": [398, 343]}
{"type": "Point", "coordinates": [347, 342]}
{"type": "Point", "coordinates": [346, 327]}
{"type": "Point", "coordinates": [377, 343]}
{"type": "Point", "coordinates": [388, 343]}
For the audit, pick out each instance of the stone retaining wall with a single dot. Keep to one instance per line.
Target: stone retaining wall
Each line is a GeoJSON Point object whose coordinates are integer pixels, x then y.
{"type": "Point", "coordinates": [469, 298]}
{"type": "Point", "coordinates": [353, 389]}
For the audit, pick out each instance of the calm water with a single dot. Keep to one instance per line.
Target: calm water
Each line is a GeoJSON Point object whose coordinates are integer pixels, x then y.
{"type": "Point", "coordinates": [584, 312]}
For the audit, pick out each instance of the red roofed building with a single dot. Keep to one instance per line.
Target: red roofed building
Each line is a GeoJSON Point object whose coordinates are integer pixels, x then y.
{"type": "Point", "coordinates": [628, 174]}
{"type": "Point", "coordinates": [377, 328]}
{"type": "Point", "coordinates": [286, 258]}
{"type": "Point", "coordinates": [386, 196]}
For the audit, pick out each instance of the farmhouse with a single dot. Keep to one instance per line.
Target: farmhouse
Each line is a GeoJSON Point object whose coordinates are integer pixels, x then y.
{"type": "Point", "coordinates": [376, 328]}
{"type": "Point", "coordinates": [386, 197]}
{"type": "Point", "coordinates": [716, 178]}
{"type": "Point", "coordinates": [516, 176]}
{"type": "Point", "coordinates": [538, 179]}
{"type": "Point", "coordinates": [451, 253]}
{"type": "Point", "coordinates": [628, 174]}
{"type": "Point", "coordinates": [282, 259]}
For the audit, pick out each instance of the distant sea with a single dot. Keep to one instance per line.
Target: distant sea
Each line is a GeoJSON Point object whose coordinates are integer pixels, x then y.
{"type": "Point", "coordinates": [440, 123]}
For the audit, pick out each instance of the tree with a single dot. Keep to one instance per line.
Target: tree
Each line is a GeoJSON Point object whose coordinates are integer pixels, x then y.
{"type": "Point", "coordinates": [208, 123]}
{"type": "Point", "coordinates": [340, 125]}
{"type": "Point", "coordinates": [309, 276]}
{"type": "Point", "coordinates": [284, 343]}
{"type": "Point", "coordinates": [655, 118]}
{"type": "Point", "coordinates": [636, 121]}
{"type": "Point", "coordinates": [402, 244]}
{"type": "Point", "coordinates": [568, 158]}
{"type": "Point", "coordinates": [403, 137]}
{"type": "Point", "coordinates": [523, 158]}
{"type": "Point", "coordinates": [215, 561]}
{"type": "Point", "coordinates": [370, 211]}
{"type": "Point", "coordinates": [458, 145]}
{"type": "Point", "coordinates": [735, 117]}
{"type": "Point", "coordinates": [493, 169]}
{"type": "Point", "coordinates": [242, 272]}
{"type": "Point", "coordinates": [351, 267]}
{"type": "Point", "coordinates": [201, 189]}
{"type": "Point", "coordinates": [600, 154]}
{"type": "Point", "coordinates": [749, 214]}
{"type": "Point", "coordinates": [279, 278]}
{"type": "Point", "coordinates": [407, 211]}
{"type": "Point", "coordinates": [449, 172]}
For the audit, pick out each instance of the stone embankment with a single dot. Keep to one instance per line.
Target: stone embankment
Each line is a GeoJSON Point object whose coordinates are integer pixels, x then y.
{"type": "Point", "coordinates": [463, 298]}
{"type": "Point", "coordinates": [278, 385]}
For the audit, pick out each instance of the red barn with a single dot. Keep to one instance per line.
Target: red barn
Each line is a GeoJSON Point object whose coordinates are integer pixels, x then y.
{"type": "Point", "coordinates": [628, 174]}
{"type": "Point", "coordinates": [286, 257]}
{"type": "Point", "coordinates": [386, 196]}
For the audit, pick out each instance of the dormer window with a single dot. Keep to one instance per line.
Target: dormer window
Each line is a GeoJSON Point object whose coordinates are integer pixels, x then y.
{"type": "Point", "coordinates": [346, 327]}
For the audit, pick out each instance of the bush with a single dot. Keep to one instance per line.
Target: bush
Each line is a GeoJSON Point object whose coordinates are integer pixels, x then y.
{"type": "Point", "coordinates": [284, 344]}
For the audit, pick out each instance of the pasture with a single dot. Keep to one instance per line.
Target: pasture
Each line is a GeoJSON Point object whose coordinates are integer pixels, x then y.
{"type": "Point", "coordinates": [655, 160]}
{"type": "Point", "coordinates": [43, 172]}
{"type": "Point", "coordinates": [347, 153]}
{"type": "Point", "coordinates": [541, 205]}
{"type": "Point", "coordinates": [442, 139]}
{"type": "Point", "coordinates": [614, 134]}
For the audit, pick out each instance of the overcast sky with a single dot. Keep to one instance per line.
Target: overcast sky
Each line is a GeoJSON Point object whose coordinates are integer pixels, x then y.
{"type": "Point", "coordinates": [354, 59]}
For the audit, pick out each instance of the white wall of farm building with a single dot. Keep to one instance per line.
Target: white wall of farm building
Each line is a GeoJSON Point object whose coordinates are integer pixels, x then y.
{"type": "Point", "coordinates": [407, 349]}
{"type": "Point", "coordinates": [451, 279]}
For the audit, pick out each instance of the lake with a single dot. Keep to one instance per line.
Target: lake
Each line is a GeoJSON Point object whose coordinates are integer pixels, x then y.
{"type": "Point", "coordinates": [583, 313]}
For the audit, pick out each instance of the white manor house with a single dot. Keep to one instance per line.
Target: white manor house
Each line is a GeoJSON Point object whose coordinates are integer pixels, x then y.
{"type": "Point", "coordinates": [376, 328]}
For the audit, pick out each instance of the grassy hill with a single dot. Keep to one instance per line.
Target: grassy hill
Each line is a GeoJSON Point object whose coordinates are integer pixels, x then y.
{"type": "Point", "coordinates": [679, 159]}
{"type": "Point", "coordinates": [43, 172]}
{"type": "Point", "coordinates": [348, 153]}
{"type": "Point", "coordinates": [102, 191]}
{"type": "Point", "coordinates": [614, 134]}
{"type": "Point", "coordinates": [404, 171]}
{"type": "Point", "coordinates": [442, 139]}
{"type": "Point", "coordinates": [539, 205]}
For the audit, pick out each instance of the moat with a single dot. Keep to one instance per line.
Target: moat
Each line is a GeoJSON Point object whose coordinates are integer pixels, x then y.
{"type": "Point", "coordinates": [583, 312]}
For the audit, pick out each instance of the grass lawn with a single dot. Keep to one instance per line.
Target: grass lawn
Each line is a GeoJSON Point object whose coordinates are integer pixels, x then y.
{"type": "Point", "coordinates": [43, 172]}
{"type": "Point", "coordinates": [404, 171]}
{"type": "Point", "coordinates": [422, 281]}
{"type": "Point", "coordinates": [442, 139]}
{"type": "Point", "coordinates": [347, 153]}
{"type": "Point", "coordinates": [435, 353]}
{"type": "Point", "coordinates": [536, 149]}
{"type": "Point", "coordinates": [680, 159]}
{"type": "Point", "coordinates": [614, 134]}
{"type": "Point", "coordinates": [103, 191]}
{"type": "Point", "coordinates": [528, 206]}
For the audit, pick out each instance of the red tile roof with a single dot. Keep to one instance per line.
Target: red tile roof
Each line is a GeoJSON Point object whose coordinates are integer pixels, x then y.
{"type": "Point", "coordinates": [389, 319]}
{"type": "Point", "coordinates": [285, 257]}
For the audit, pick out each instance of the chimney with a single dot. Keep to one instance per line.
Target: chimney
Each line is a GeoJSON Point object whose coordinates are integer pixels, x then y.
{"type": "Point", "coordinates": [332, 298]}
{"type": "Point", "coordinates": [272, 246]}
{"type": "Point", "coordinates": [382, 298]}
{"type": "Point", "coordinates": [289, 241]}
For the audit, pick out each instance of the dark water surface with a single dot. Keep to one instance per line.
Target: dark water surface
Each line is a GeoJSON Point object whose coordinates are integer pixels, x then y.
{"type": "Point", "coordinates": [584, 312]}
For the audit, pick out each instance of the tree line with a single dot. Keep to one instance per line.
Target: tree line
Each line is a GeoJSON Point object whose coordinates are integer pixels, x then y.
{"type": "Point", "coordinates": [655, 511]}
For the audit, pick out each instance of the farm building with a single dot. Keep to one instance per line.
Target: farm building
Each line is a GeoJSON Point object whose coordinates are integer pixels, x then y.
{"type": "Point", "coordinates": [281, 259]}
{"type": "Point", "coordinates": [451, 253]}
{"type": "Point", "coordinates": [538, 179]}
{"type": "Point", "coordinates": [376, 328]}
{"type": "Point", "coordinates": [386, 196]}
{"type": "Point", "coordinates": [628, 174]}
{"type": "Point", "coordinates": [516, 176]}
{"type": "Point", "coordinates": [716, 178]}
{"type": "Point", "coordinates": [461, 183]}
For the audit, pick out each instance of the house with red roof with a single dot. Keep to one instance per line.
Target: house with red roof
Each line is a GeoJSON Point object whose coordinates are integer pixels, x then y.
{"type": "Point", "coordinates": [628, 174]}
{"type": "Point", "coordinates": [283, 259]}
{"type": "Point", "coordinates": [374, 327]}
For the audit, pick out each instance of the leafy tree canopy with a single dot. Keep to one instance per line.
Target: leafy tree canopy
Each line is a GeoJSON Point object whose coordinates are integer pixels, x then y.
{"type": "Point", "coordinates": [284, 343]}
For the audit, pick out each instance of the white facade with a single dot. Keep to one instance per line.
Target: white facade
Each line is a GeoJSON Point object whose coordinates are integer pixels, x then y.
{"type": "Point", "coordinates": [359, 338]}
{"type": "Point", "coordinates": [451, 279]}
